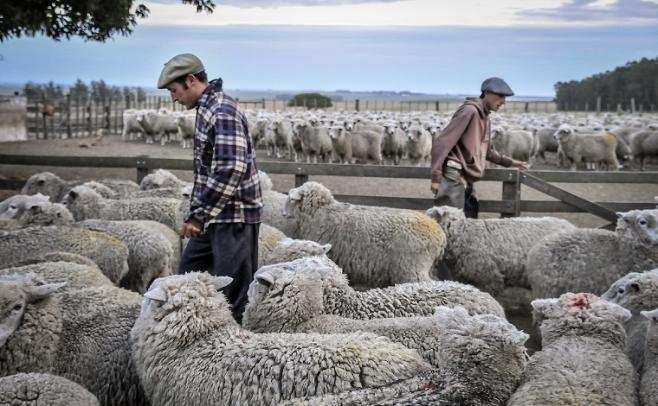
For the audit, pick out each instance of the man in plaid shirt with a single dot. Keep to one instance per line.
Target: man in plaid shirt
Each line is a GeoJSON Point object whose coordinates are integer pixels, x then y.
{"type": "Point", "coordinates": [226, 203]}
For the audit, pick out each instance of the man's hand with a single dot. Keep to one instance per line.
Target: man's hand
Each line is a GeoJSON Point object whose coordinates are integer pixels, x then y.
{"type": "Point", "coordinates": [435, 187]}
{"type": "Point", "coordinates": [189, 230]}
{"type": "Point", "coordinates": [522, 165]}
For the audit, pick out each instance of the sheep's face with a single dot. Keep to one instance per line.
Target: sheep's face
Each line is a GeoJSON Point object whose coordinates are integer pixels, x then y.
{"type": "Point", "coordinates": [17, 292]}
{"type": "Point", "coordinates": [640, 226]}
{"type": "Point", "coordinates": [45, 182]}
{"type": "Point", "coordinates": [563, 133]}
{"type": "Point", "coordinates": [45, 214]}
{"type": "Point", "coordinates": [652, 331]}
{"type": "Point", "coordinates": [496, 133]}
{"type": "Point", "coordinates": [580, 314]}
{"type": "Point", "coordinates": [336, 133]}
{"type": "Point", "coordinates": [307, 198]}
{"type": "Point", "coordinates": [635, 291]}
{"type": "Point", "coordinates": [289, 249]}
{"type": "Point", "coordinates": [451, 219]}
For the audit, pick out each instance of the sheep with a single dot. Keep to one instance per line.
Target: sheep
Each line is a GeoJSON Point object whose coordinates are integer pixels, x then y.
{"type": "Point", "coordinates": [43, 389]}
{"type": "Point", "coordinates": [419, 144]}
{"type": "Point", "coordinates": [644, 144]}
{"type": "Point", "coordinates": [648, 392]}
{"type": "Point", "coordinates": [544, 142]}
{"type": "Point", "coordinates": [517, 144]}
{"type": "Point", "coordinates": [590, 260]}
{"type": "Point", "coordinates": [283, 138]}
{"type": "Point", "coordinates": [491, 253]}
{"type": "Point", "coordinates": [10, 206]}
{"type": "Point", "coordinates": [316, 143]}
{"type": "Point", "coordinates": [288, 249]}
{"type": "Point", "coordinates": [273, 205]}
{"type": "Point", "coordinates": [84, 204]}
{"type": "Point", "coordinates": [283, 296]}
{"type": "Point", "coordinates": [149, 252]}
{"type": "Point", "coordinates": [375, 246]}
{"type": "Point", "coordinates": [82, 335]}
{"type": "Point", "coordinates": [185, 335]}
{"type": "Point", "coordinates": [76, 276]}
{"type": "Point", "coordinates": [43, 214]}
{"type": "Point", "coordinates": [341, 140]}
{"type": "Point", "coordinates": [56, 188]}
{"type": "Point", "coordinates": [110, 254]}
{"type": "Point", "coordinates": [485, 352]}
{"type": "Point", "coordinates": [157, 125]}
{"type": "Point", "coordinates": [582, 361]}
{"type": "Point", "coordinates": [589, 147]}
{"type": "Point", "coordinates": [131, 125]}
{"type": "Point", "coordinates": [394, 143]}
{"type": "Point", "coordinates": [635, 292]}
{"type": "Point", "coordinates": [186, 128]}
{"type": "Point", "coordinates": [366, 145]}
{"type": "Point", "coordinates": [268, 239]}
{"type": "Point", "coordinates": [160, 179]}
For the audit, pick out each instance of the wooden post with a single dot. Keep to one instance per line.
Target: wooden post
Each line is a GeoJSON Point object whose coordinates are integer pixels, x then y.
{"type": "Point", "coordinates": [141, 164]}
{"type": "Point", "coordinates": [263, 103]}
{"type": "Point", "coordinates": [88, 114]}
{"type": "Point", "coordinates": [300, 179]}
{"type": "Point", "coordinates": [69, 132]}
{"type": "Point", "coordinates": [116, 115]}
{"type": "Point", "coordinates": [618, 107]}
{"type": "Point", "coordinates": [77, 116]}
{"type": "Point", "coordinates": [586, 106]}
{"type": "Point", "coordinates": [436, 105]}
{"type": "Point", "coordinates": [356, 104]}
{"type": "Point", "coordinates": [37, 119]}
{"type": "Point", "coordinates": [107, 111]}
{"type": "Point", "coordinates": [598, 104]}
{"type": "Point", "coordinates": [633, 105]}
{"type": "Point", "coordinates": [44, 119]}
{"type": "Point", "coordinates": [512, 193]}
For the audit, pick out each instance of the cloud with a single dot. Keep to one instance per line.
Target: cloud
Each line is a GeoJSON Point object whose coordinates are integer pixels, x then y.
{"type": "Point", "coordinates": [281, 3]}
{"type": "Point", "coordinates": [599, 11]}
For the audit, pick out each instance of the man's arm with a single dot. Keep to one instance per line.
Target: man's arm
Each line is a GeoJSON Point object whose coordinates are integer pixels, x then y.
{"type": "Point", "coordinates": [443, 144]}
{"type": "Point", "coordinates": [228, 168]}
{"type": "Point", "coordinates": [502, 160]}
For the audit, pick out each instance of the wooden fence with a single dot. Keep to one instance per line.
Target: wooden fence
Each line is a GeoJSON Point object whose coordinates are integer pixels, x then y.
{"type": "Point", "coordinates": [511, 203]}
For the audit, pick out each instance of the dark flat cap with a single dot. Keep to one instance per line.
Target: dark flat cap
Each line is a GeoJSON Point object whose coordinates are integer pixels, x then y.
{"type": "Point", "coordinates": [496, 85]}
{"type": "Point", "coordinates": [179, 65]}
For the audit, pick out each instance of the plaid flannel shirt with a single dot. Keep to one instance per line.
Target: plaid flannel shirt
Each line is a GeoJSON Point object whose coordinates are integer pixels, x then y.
{"type": "Point", "coordinates": [226, 184]}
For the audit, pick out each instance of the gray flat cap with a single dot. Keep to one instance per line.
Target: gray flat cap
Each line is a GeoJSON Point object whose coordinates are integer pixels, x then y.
{"type": "Point", "coordinates": [496, 85]}
{"type": "Point", "coordinates": [179, 65]}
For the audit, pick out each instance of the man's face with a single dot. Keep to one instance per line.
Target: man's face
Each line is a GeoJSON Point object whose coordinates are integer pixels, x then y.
{"type": "Point", "coordinates": [184, 95]}
{"type": "Point", "coordinates": [494, 101]}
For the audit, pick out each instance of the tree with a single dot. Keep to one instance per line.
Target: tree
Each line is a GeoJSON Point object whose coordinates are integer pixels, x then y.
{"type": "Point", "coordinates": [310, 100]}
{"type": "Point", "coordinates": [79, 92]}
{"type": "Point", "coordinates": [141, 95]}
{"type": "Point", "coordinates": [92, 20]}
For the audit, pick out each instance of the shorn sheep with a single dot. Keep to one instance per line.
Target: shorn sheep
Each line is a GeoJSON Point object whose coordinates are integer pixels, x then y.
{"type": "Point", "coordinates": [375, 246]}
{"type": "Point", "coordinates": [590, 260]}
{"type": "Point", "coordinates": [189, 351]}
{"type": "Point", "coordinates": [283, 296]}
{"type": "Point", "coordinates": [582, 361]}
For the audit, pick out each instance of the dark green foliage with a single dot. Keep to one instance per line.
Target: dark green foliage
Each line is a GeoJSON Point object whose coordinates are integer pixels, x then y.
{"type": "Point", "coordinates": [92, 20]}
{"type": "Point", "coordinates": [637, 80]}
{"type": "Point", "coordinates": [310, 100]}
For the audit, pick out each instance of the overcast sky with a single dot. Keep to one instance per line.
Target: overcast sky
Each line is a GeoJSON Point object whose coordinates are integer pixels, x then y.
{"type": "Point", "coordinates": [420, 45]}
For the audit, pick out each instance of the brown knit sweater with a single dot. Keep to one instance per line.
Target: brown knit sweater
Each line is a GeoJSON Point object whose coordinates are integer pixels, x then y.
{"type": "Point", "coordinates": [467, 140]}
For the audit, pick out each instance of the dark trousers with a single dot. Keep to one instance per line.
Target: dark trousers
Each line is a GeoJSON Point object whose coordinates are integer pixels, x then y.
{"type": "Point", "coordinates": [226, 249]}
{"type": "Point", "coordinates": [455, 191]}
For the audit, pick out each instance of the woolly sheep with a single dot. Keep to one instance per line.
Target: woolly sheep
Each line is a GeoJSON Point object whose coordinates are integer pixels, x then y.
{"type": "Point", "coordinates": [544, 142]}
{"type": "Point", "coordinates": [268, 238]}
{"type": "Point", "coordinates": [76, 276]}
{"type": "Point", "coordinates": [419, 145]}
{"type": "Point", "coordinates": [517, 144]}
{"type": "Point", "coordinates": [161, 179]}
{"type": "Point", "coordinates": [483, 351]}
{"type": "Point", "coordinates": [375, 246]}
{"type": "Point", "coordinates": [108, 253]}
{"type": "Point", "coordinates": [43, 214]}
{"type": "Point", "coordinates": [43, 389]}
{"type": "Point", "coordinates": [648, 391]}
{"type": "Point", "coordinates": [283, 296]}
{"type": "Point", "coordinates": [56, 188]}
{"type": "Point", "coordinates": [635, 292]}
{"type": "Point", "coordinates": [185, 334]}
{"type": "Point", "coordinates": [365, 145]}
{"type": "Point", "coordinates": [82, 335]}
{"type": "Point", "coordinates": [582, 361]}
{"type": "Point", "coordinates": [593, 148]}
{"type": "Point", "coordinates": [491, 253]}
{"type": "Point", "coordinates": [84, 204]}
{"type": "Point", "coordinates": [644, 144]}
{"type": "Point", "coordinates": [590, 260]}
{"type": "Point", "coordinates": [288, 249]}
{"type": "Point", "coordinates": [273, 205]}
{"type": "Point", "coordinates": [149, 252]}
{"type": "Point", "coordinates": [394, 143]}
{"type": "Point", "coordinates": [131, 125]}
{"type": "Point", "coordinates": [315, 143]}
{"type": "Point", "coordinates": [10, 206]}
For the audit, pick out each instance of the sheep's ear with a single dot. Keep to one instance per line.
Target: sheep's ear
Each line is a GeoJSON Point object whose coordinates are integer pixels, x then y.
{"type": "Point", "coordinates": [295, 194]}
{"type": "Point", "coordinates": [73, 194]}
{"type": "Point", "coordinates": [621, 314]}
{"type": "Point", "coordinates": [651, 315]}
{"type": "Point", "coordinates": [39, 292]}
{"type": "Point", "coordinates": [158, 294]}
{"type": "Point", "coordinates": [544, 307]}
{"type": "Point", "coordinates": [264, 278]}
{"type": "Point", "coordinates": [222, 281]}
{"type": "Point", "coordinates": [434, 213]}
{"type": "Point", "coordinates": [326, 248]}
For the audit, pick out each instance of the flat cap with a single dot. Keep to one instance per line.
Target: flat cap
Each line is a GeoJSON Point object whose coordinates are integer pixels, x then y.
{"type": "Point", "coordinates": [496, 85]}
{"type": "Point", "coordinates": [179, 65]}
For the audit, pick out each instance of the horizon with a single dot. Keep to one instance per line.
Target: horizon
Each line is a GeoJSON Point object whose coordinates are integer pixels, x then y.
{"type": "Point", "coordinates": [419, 46]}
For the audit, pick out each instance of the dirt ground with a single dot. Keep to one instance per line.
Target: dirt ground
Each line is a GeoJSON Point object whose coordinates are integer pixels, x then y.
{"type": "Point", "coordinates": [112, 145]}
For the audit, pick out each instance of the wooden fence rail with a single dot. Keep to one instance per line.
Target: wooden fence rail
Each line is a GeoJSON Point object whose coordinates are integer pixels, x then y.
{"type": "Point", "coordinates": [511, 204]}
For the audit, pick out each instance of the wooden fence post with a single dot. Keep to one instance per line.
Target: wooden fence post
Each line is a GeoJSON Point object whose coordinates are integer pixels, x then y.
{"type": "Point", "coordinates": [44, 117]}
{"type": "Point", "coordinates": [88, 114]}
{"type": "Point", "coordinates": [300, 179]}
{"type": "Point", "coordinates": [512, 193]}
{"type": "Point", "coordinates": [141, 164]}
{"type": "Point", "coordinates": [598, 104]}
{"type": "Point", "coordinates": [632, 104]}
{"type": "Point", "coordinates": [436, 105]}
{"type": "Point", "coordinates": [69, 132]}
{"type": "Point", "coordinates": [356, 104]}
{"type": "Point", "coordinates": [106, 111]}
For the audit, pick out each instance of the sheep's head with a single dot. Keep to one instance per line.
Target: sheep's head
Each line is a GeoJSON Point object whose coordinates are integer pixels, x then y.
{"type": "Point", "coordinates": [497, 132]}
{"type": "Point", "coordinates": [635, 291]}
{"type": "Point", "coordinates": [307, 198]}
{"type": "Point", "coordinates": [17, 292]}
{"type": "Point", "coordinates": [288, 249]}
{"type": "Point", "coordinates": [336, 133]}
{"type": "Point", "coordinates": [282, 296]}
{"type": "Point", "coordinates": [82, 202]}
{"type": "Point", "coordinates": [451, 219]}
{"type": "Point", "coordinates": [580, 314]}
{"type": "Point", "coordinates": [45, 214]}
{"type": "Point", "coordinates": [46, 183]}
{"type": "Point", "coordinates": [161, 178]}
{"type": "Point", "coordinates": [563, 132]}
{"type": "Point", "coordinates": [187, 306]}
{"type": "Point", "coordinates": [640, 226]}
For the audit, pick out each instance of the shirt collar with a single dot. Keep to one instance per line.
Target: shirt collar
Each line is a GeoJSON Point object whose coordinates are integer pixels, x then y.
{"type": "Point", "coordinates": [213, 87]}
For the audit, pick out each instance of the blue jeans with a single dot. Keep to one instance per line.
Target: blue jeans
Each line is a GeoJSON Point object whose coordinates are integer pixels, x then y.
{"type": "Point", "coordinates": [226, 249]}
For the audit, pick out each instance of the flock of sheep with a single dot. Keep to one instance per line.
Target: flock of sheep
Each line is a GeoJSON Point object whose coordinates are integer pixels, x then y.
{"type": "Point", "coordinates": [351, 305]}
{"type": "Point", "coordinates": [607, 141]}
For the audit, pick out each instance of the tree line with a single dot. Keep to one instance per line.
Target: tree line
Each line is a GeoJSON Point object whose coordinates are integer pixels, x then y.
{"type": "Point", "coordinates": [97, 91]}
{"type": "Point", "coordinates": [629, 87]}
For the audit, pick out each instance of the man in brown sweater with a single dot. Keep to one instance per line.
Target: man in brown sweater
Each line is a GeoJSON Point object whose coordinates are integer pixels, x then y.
{"type": "Point", "coordinates": [460, 151]}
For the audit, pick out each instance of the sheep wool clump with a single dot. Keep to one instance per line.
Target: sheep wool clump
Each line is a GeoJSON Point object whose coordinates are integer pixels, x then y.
{"type": "Point", "coordinates": [188, 350]}
{"type": "Point", "coordinates": [43, 389]}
